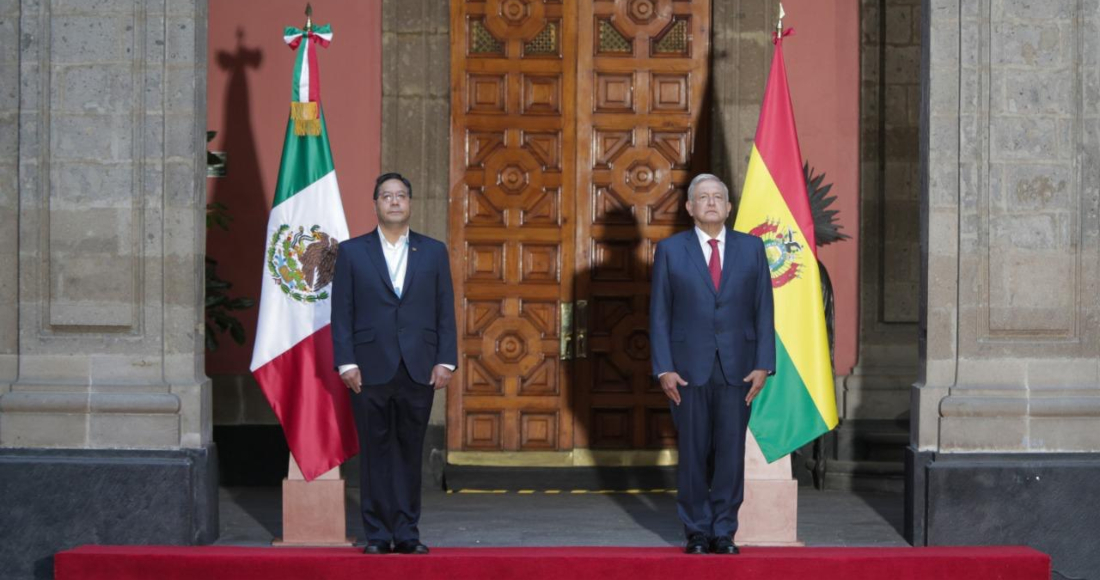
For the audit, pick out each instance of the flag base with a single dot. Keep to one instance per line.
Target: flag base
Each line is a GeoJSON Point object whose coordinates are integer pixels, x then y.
{"type": "Point", "coordinates": [313, 511]}
{"type": "Point", "coordinates": [769, 514]}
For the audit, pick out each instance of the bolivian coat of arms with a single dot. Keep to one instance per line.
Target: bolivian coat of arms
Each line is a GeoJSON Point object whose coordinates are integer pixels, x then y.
{"type": "Point", "coordinates": [302, 262]}
{"type": "Point", "coordinates": [782, 250]}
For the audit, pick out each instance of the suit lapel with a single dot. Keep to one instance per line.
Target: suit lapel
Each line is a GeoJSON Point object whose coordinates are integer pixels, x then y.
{"type": "Point", "coordinates": [695, 256]}
{"type": "Point", "coordinates": [374, 250]}
{"type": "Point", "coordinates": [728, 261]}
{"type": "Point", "coordinates": [413, 261]}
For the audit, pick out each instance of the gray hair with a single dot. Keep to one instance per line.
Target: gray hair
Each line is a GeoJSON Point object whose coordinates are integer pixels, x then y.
{"type": "Point", "coordinates": [706, 177]}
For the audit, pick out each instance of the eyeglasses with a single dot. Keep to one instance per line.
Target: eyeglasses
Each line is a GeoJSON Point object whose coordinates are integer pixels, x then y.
{"type": "Point", "coordinates": [390, 197]}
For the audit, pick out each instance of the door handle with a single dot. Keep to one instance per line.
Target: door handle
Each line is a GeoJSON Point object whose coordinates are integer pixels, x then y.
{"type": "Point", "coordinates": [581, 322]}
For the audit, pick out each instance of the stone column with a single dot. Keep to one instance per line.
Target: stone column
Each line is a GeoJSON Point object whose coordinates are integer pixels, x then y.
{"type": "Point", "coordinates": [1006, 413]}
{"type": "Point", "coordinates": [873, 401]}
{"type": "Point", "coordinates": [416, 125]}
{"type": "Point", "coordinates": [105, 428]}
{"type": "Point", "coordinates": [741, 55]}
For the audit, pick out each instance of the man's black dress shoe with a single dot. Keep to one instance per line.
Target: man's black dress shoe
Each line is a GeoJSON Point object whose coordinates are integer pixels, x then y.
{"type": "Point", "coordinates": [696, 544]}
{"type": "Point", "coordinates": [410, 548]}
{"type": "Point", "coordinates": [377, 548]}
{"type": "Point", "coordinates": [723, 545]}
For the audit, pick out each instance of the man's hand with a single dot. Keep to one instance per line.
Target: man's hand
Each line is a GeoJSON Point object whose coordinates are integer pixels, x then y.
{"type": "Point", "coordinates": [353, 380]}
{"type": "Point", "coordinates": [757, 379]}
{"type": "Point", "coordinates": [441, 377]}
{"type": "Point", "coordinates": [670, 383]}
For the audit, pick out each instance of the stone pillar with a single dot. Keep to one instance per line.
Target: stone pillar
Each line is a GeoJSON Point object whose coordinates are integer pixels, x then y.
{"type": "Point", "coordinates": [741, 53]}
{"type": "Point", "coordinates": [1006, 413]}
{"type": "Point", "coordinates": [878, 388]}
{"type": "Point", "coordinates": [105, 429]}
{"type": "Point", "coordinates": [873, 401]}
{"type": "Point", "coordinates": [416, 125]}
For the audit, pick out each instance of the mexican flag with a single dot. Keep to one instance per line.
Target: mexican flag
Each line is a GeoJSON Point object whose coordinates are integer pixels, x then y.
{"type": "Point", "coordinates": [292, 359]}
{"type": "Point", "coordinates": [798, 404]}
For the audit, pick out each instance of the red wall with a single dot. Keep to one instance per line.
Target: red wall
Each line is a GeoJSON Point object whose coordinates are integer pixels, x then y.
{"type": "Point", "coordinates": [823, 70]}
{"type": "Point", "coordinates": [248, 92]}
{"type": "Point", "coordinates": [248, 97]}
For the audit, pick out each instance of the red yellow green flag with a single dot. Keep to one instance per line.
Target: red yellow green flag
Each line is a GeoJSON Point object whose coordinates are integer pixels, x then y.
{"type": "Point", "coordinates": [798, 404]}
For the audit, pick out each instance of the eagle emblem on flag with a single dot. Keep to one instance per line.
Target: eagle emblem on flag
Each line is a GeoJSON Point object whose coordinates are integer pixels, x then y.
{"type": "Point", "coordinates": [302, 263]}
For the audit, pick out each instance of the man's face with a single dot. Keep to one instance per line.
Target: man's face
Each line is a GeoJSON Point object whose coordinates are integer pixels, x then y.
{"type": "Point", "coordinates": [710, 206]}
{"type": "Point", "coordinates": [393, 204]}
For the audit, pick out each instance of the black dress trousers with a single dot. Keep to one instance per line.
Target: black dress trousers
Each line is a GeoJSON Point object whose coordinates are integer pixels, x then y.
{"type": "Point", "coordinates": [391, 420]}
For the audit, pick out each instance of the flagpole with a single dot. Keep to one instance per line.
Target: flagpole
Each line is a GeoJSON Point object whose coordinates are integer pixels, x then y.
{"type": "Point", "coordinates": [309, 17]}
{"type": "Point", "coordinates": [779, 24]}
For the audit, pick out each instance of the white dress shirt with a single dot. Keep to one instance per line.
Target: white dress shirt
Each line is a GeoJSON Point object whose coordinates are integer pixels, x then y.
{"type": "Point", "coordinates": [704, 241]}
{"type": "Point", "coordinates": [397, 261]}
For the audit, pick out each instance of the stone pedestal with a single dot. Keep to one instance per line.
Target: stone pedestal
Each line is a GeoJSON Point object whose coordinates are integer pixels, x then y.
{"type": "Point", "coordinates": [769, 516]}
{"type": "Point", "coordinates": [1006, 412]}
{"type": "Point", "coordinates": [104, 406]}
{"type": "Point", "coordinates": [313, 511]}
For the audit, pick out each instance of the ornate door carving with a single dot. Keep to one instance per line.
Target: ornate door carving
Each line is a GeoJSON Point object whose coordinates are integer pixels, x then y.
{"type": "Point", "coordinates": [645, 63]}
{"type": "Point", "coordinates": [572, 133]}
{"type": "Point", "coordinates": [513, 66]}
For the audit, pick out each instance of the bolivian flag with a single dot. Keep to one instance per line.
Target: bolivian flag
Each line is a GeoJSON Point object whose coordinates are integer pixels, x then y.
{"type": "Point", "coordinates": [798, 403]}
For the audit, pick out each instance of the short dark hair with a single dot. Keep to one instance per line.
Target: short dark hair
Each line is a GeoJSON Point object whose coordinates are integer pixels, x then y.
{"type": "Point", "coordinates": [388, 176]}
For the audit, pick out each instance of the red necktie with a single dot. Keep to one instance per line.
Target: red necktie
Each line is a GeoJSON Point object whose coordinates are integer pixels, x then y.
{"type": "Point", "coordinates": [715, 263]}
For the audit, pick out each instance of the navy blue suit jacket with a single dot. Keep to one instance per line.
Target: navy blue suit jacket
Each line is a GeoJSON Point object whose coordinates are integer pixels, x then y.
{"type": "Point", "coordinates": [690, 323]}
{"type": "Point", "coordinates": [373, 328]}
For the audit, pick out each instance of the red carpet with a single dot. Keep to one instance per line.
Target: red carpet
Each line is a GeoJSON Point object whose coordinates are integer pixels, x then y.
{"type": "Point", "coordinates": [233, 563]}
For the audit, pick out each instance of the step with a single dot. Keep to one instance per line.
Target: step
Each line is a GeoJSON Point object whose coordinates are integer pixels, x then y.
{"type": "Point", "coordinates": [865, 475]}
{"type": "Point", "coordinates": [460, 477]}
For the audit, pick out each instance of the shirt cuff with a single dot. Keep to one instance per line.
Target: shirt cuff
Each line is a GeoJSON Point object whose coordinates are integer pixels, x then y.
{"type": "Point", "coordinates": [447, 366]}
{"type": "Point", "coordinates": [662, 374]}
{"type": "Point", "coordinates": [345, 368]}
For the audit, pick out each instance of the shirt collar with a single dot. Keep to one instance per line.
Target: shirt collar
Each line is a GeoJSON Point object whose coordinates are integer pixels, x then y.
{"type": "Point", "coordinates": [400, 241]}
{"type": "Point", "coordinates": [704, 238]}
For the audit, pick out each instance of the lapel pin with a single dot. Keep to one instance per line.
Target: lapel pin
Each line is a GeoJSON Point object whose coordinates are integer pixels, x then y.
{"type": "Point", "coordinates": [414, 248]}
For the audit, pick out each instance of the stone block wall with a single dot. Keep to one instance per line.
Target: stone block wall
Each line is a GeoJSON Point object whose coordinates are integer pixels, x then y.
{"type": "Point", "coordinates": [111, 115]}
{"type": "Point", "coordinates": [1007, 407]}
{"type": "Point", "coordinates": [1012, 185]}
{"type": "Point", "coordinates": [9, 189]}
{"type": "Point", "coordinates": [890, 46]}
{"type": "Point", "coordinates": [103, 400]}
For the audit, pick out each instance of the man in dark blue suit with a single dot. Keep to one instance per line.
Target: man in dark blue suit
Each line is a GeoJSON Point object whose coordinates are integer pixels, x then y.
{"type": "Point", "coordinates": [393, 336]}
{"type": "Point", "coordinates": [712, 340]}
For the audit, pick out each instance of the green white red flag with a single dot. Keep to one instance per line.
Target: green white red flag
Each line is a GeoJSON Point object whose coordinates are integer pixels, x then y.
{"type": "Point", "coordinates": [292, 357]}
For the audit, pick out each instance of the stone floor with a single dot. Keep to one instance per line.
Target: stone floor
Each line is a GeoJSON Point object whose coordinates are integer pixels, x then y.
{"type": "Point", "coordinates": [251, 516]}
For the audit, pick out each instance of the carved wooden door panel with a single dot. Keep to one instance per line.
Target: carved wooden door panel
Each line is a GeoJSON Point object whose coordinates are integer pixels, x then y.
{"type": "Point", "coordinates": [572, 132]}
{"type": "Point", "coordinates": [513, 66]}
{"type": "Point", "coordinates": [643, 65]}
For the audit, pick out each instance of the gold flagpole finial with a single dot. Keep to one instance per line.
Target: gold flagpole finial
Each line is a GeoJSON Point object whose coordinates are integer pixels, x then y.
{"type": "Point", "coordinates": [309, 17]}
{"type": "Point", "coordinates": [779, 25]}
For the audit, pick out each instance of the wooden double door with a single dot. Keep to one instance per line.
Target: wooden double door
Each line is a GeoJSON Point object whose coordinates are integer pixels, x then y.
{"type": "Point", "coordinates": [574, 127]}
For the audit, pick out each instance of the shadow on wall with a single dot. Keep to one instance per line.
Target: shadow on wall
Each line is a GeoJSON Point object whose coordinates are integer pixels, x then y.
{"type": "Point", "coordinates": [239, 251]}
{"type": "Point", "coordinates": [655, 515]}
